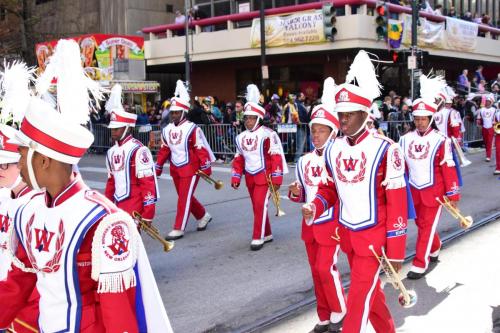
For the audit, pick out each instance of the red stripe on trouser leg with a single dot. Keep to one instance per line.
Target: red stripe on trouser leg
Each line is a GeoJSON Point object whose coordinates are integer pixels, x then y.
{"type": "Point", "coordinates": [488, 140]}
{"type": "Point", "coordinates": [427, 237]}
{"type": "Point", "coordinates": [366, 299]}
{"type": "Point", "coordinates": [331, 285]}
{"type": "Point", "coordinates": [185, 188]}
{"type": "Point", "coordinates": [322, 307]}
{"type": "Point", "coordinates": [260, 203]}
{"type": "Point", "coordinates": [497, 150]}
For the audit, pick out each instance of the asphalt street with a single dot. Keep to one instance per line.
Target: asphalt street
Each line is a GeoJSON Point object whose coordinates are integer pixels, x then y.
{"type": "Point", "coordinates": [212, 282]}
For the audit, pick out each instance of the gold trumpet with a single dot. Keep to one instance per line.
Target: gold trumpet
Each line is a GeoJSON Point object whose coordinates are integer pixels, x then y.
{"type": "Point", "coordinates": [275, 195]}
{"type": "Point", "coordinates": [496, 128]}
{"type": "Point", "coordinates": [218, 184]}
{"type": "Point", "coordinates": [460, 154]}
{"type": "Point", "coordinates": [465, 221]}
{"type": "Point", "coordinates": [407, 298]}
{"type": "Point", "coordinates": [152, 232]}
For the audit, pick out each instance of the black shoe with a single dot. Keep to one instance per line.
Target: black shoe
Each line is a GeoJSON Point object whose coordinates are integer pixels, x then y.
{"type": "Point", "coordinates": [434, 259]}
{"type": "Point", "coordinates": [320, 329]}
{"type": "Point", "coordinates": [335, 327]}
{"type": "Point", "coordinates": [171, 238]}
{"type": "Point", "coordinates": [256, 247]}
{"type": "Point", "coordinates": [414, 276]}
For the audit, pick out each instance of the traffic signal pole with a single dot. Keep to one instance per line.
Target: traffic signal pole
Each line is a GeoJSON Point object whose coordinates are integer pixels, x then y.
{"type": "Point", "coordinates": [414, 20]}
{"type": "Point", "coordinates": [263, 66]}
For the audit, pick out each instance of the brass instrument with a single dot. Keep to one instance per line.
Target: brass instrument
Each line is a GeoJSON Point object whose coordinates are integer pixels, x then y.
{"type": "Point", "coordinates": [276, 197]}
{"type": "Point", "coordinates": [407, 298]}
{"type": "Point", "coordinates": [465, 221]}
{"type": "Point", "coordinates": [460, 154]}
{"type": "Point", "coordinates": [152, 232]}
{"type": "Point", "coordinates": [496, 128]}
{"type": "Point", "coordinates": [218, 184]}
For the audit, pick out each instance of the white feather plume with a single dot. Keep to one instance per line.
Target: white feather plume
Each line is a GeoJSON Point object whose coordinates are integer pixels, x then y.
{"type": "Point", "coordinates": [328, 96]}
{"type": "Point", "coordinates": [363, 72]}
{"type": "Point", "coordinates": [73, 84]}
{"type": "Point", "coordinates": [430, 87]}
{"type": "Point", "coordinates": [449, 91]}
{"type": "Point", "coordinates": [15, 84]}
{"type": "Point", "coordinates": [114, 101]}
{"type": "Point", "coordinates": [181, 91]}
{"type": "Point", "coordinates": [253, 94]}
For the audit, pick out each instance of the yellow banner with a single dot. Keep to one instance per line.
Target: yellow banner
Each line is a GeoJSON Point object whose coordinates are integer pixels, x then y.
{"type": "Point", "coordinates": [296, 29]}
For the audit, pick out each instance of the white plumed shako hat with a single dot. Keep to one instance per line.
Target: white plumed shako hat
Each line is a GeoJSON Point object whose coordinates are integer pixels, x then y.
{"type": "Point", "coordinates": [252, 106]}
{"type": "Point", "coordinates": [180, 101]}
{"type": "Point", "coordinates": [425, 105]}
{"type": "Point", "coordinates": [350, 97]}
{"type": "Point", "coordinates": [324, 113]}
{"type": "Point", "coordinates": [118, 116]}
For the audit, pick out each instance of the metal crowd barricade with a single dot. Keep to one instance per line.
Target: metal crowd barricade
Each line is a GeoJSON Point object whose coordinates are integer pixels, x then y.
{"type": "Point", "coordinates": [295, 139]}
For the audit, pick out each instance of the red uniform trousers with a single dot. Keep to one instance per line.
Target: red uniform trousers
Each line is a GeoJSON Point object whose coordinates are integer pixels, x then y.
{"type": "Point", "coordinates": [186, 203]}
{"type": "Point", "coordinates": [488, 140]}
{"type": "Point", "coordinates": [27, 319]}
{"type": "Point", "coordinates": [366, 299]}
{"type": "Point", "coordinates": [259, 195]}
{"type": "Point", "coordinates": [326, 278]}
{"type": "Point", "coordinates": [497, 150]}
{"type": "Point", "coordinates": [428, 241]}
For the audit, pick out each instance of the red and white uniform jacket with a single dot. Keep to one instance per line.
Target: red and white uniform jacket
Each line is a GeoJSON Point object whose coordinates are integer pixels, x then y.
{"type": "Point", "coordinates": [485, 117]}
{"type": "Point", "coordinates": [80, 251]}
{"type": "Point", "coordinates": [259, 155]}
{"type": "Point", "coordinates": [29, 313]}
{"type": "Point", "coordinates": [449, 122]}
{"type": "Point", "coordinates": [310, 172]}
{"type": "Point", "coordinates": [431, 168]}
{"type": "Point", "coordinates": [132, 183]}
{"type": "Point", "coordinates": [366, 177]}
{"type": "Point", "coordinates": [187, 149]}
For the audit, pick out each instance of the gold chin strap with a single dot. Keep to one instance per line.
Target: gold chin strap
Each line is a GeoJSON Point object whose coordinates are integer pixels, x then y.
{"type": "Point", "coordinates": [31, 172]}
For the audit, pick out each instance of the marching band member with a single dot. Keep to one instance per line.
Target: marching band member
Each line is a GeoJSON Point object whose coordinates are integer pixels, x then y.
{"type": "Point", "coordinates": [185, 146]}
{"type": "Point", "coordinates": [485, 119]}
{"type": "Point", "coordinates": [132, 183]}
{"type": "Point", "coordinates": [260, 157]}
{"type": "Point", "coordinates": [84, 255]}
{"type": "Point", "coordinates": [320, 238]}
{"type": "Point", "coordinates": [497, 140]}
{"type": "Point", "coordinates": [366, 177]}
{"type": "Point", "coordinates": [16, 80]}
{"type": "Point", "coordinates": [447, 119]}
{"type": "Point", "coordinates": [432, 173]}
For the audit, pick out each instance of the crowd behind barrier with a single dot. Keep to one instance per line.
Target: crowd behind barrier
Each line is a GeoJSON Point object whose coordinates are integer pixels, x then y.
{"type": "Point", "coordinates": [221, 137]}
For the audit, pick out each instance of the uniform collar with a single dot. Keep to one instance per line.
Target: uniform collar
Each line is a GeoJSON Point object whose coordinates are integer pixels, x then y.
{"type": "Point", "coordinates": [23, 191]}
{"type": "Point", "coordinates": [364, 134]}
{"type": "Point", "coordinates": [70, 190]}
{"type": "Point", "coordinates": [125, 140]}
{"type": "Point", "coordinates": [430, 129]}
{"type": "Point", "coordinates": [255, 129]}
{"type": "Point", "coordinates": [181, 122]}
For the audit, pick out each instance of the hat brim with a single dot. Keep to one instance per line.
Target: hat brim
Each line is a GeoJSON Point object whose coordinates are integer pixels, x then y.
{"type": "Point", "coordinates": [8, 157]}
{"type": "Point", "coordinates": [422, 113]}
{"type": "Point", "coordinates": [116, 124]}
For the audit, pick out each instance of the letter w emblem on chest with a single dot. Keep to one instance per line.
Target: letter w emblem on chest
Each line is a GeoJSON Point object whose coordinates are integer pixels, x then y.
{"type": "Point", "coordinates": [248, 144]}
{"type": "Point", "coordinates": [350, 165]}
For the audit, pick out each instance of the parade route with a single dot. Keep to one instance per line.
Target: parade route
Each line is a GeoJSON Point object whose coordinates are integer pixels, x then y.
{"type": "Point", "coordinates": [459, 294]}
{"type": "Point", "coordinates": [212, 282]}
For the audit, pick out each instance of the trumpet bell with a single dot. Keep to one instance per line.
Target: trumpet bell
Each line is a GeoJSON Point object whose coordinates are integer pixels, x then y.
{"type": "Point", "coordinates": [410, 302]}
{"type": "Point", "coordinates": [466, 222]}
{"type": "Point", "coordinates": [218, 185]}
{"type": "Point", "coordinates": [280, 212]}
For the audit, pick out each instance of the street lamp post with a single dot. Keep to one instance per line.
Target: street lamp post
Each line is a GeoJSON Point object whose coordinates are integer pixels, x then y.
{"type": "Point", "coordinates": [414, 20]}
{"type": "Point", "coordinates": [263, 66]}
{"type": "Point", "coordinates": [186, 53]}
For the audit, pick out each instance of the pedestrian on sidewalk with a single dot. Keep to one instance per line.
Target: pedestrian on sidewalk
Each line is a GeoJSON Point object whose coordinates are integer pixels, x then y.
{"type": "Point", "coordinates": [432, 174]}
{"type": "Point", "coordinates": [366, 178]}
{"type": "Point", "coordinates": [132, 183]}
{"type": "Point", "coordinates": [187, 149]}
{"type": "Point", "coordinates": [259, 156]}
{"type": "Point", "coordinates": [321, 237]}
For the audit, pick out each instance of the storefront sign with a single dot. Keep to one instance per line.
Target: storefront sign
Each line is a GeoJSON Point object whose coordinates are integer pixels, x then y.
{"type": "Point", "coordinates": [98, 53]}
{"type": "Point", "coordinates": [139, 86]}
{"type": "Point", "coordinates": [296, 29]}
{"type": "Point", "coordinates": [461, 35]}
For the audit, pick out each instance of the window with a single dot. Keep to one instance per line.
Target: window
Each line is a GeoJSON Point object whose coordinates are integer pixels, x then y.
{"type": "Point", "coordinates": [38, 2]}
{"type": "Point", "coordinates": [282, 3]}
